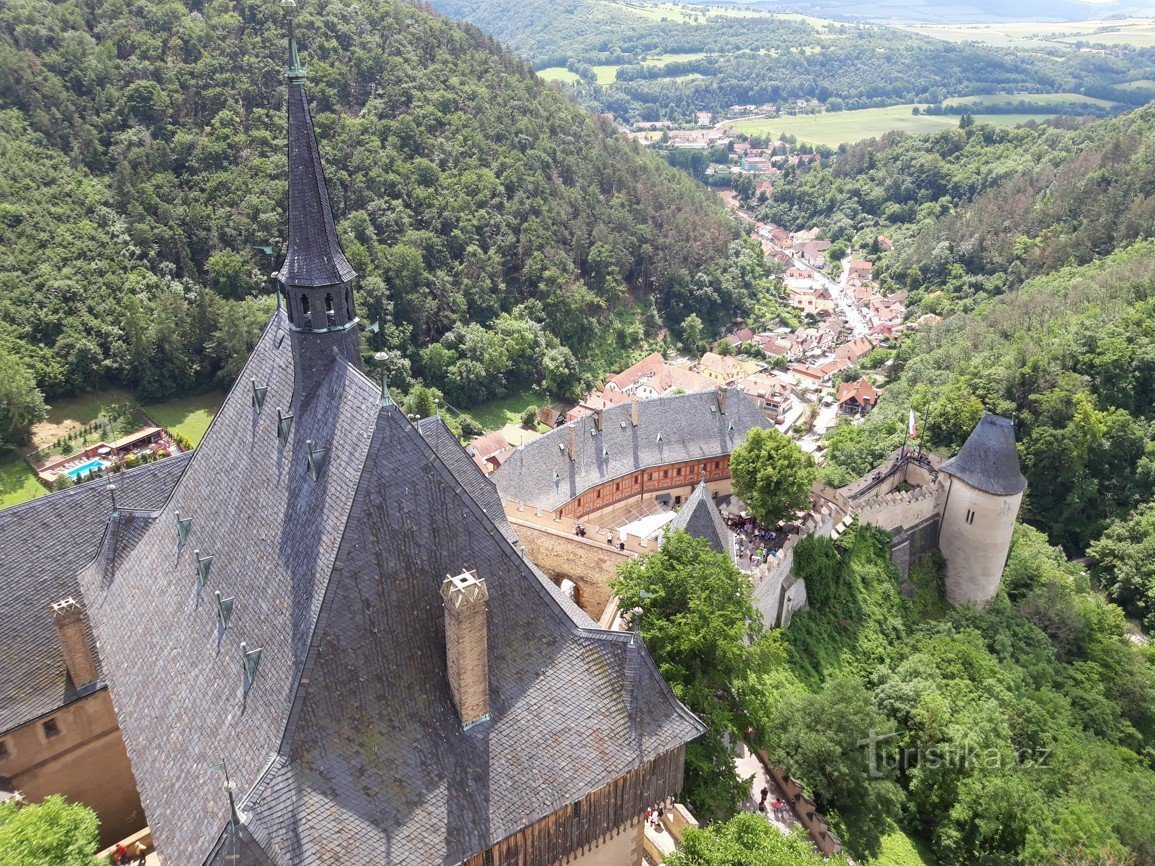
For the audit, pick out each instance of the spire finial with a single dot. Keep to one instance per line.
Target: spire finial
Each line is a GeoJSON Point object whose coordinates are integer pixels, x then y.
{"type": "Point", "coordinates": [295, 71]}
{"type": "Point", "coordinates": [386, 400]}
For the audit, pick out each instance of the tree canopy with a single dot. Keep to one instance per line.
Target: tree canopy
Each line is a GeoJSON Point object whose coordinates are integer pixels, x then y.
{"type": "Point", "coordinates": [488, 215]}
{"type": "Point", "coordinates": [772, 475]}
{"type": "Point", "coordinates": [699, 623]}
{"type": "Point", "coordinates": [53, 832]}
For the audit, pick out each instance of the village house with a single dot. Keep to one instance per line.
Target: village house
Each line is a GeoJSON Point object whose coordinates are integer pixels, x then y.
{"type": "Point", "coordinates": [773, 395]}
{"type": "Point", "coordinates": [856, 398]}
{"type": "Point", "coordinates": [812, 252]}
{"type": "Point", "coordinates": [860, 268]}
{"type": "Point", "coordinates": [884, 243]}
{"type": "Point", "coordinates": [726, 369]}
{"type": "Point", "coordinates": [854, 350]}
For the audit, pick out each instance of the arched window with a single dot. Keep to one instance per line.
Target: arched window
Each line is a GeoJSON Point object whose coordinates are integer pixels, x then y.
{"type": "Point", "coordinates": [329, 302]}
{"type": "Point", "coordinates": [305, 304]}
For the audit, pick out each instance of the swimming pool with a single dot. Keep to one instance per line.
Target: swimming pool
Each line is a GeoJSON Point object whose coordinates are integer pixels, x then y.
{"type": "Point", "coordinates": [84, 468]}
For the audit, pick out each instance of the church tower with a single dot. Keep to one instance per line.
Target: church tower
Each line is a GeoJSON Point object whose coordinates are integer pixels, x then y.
{"type": "Point", "coordinates": [985, 489]}
{"type": "Point", "coordinates": [316, 278]}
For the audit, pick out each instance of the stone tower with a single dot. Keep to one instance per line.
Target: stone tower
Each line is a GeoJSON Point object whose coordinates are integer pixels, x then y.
{"type": "Point", "coordinates": [316, 278]}
{"type": "Point", "coordinates": [984, 490]}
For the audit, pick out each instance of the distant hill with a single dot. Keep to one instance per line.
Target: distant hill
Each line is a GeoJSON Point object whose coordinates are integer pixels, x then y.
{"type": "Point", "coordinates": [648, 61]}
{"type": "Point", "coordinates": [464, 186]}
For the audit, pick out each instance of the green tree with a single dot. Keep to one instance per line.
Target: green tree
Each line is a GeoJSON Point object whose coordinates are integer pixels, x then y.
{"type": "Point", "coordinates": [699, 623]}
{"type": "Point", "coordinates": [772, 475]}
{"type": "Point", "coordinates": [529, 417]}
{"type": "Point", "coordinates": [1122, 558]}
{"type": "Point", "coordinates": [562, 376]}
{"type": "Point", "coordinates": [745, 840]}
{"type": "Point", "coordinates": [21, 403]}
{"type": "Point", "coordinates": [831, 742]}
{"type": "Point", "coordinates": [692, 333]}
{"type": "Point", "coordinates": [53, 832]}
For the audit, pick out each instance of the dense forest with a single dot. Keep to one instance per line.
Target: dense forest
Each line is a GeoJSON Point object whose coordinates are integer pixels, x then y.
{"type": "Point", "coordinates": [486, 213]}
{"type": "Point", "coordinates": [1019, 734]}
{"type": "Point", "coordinates": [720, 60]}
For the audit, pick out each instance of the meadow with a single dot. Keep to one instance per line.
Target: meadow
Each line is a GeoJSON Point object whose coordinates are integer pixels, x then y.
{"type": "Point", "coordinates": [844, 127]}
{"type": "Point", "coordinates": [1136, 32]}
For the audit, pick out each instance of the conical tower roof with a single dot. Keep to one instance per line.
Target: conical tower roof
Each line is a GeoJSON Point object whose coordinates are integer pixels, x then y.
{"type": "Point", "coordinates": [988, 460]}
{"type": "Point", "coordinates": [314, 257]}
{"type": "Point", "coordinates": [701, 518]}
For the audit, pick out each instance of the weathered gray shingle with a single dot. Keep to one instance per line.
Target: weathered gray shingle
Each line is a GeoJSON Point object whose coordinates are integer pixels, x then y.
{"type": "Point", "coordinates": [338, 582]}
{"type": "Point", "coordinates": [43, 545]}
{"type": "Point", "coordinates": [700, 518]}
{"type": "Point", "coordinates": [690, 427]}
{"type": "Point", "coordinates": [988, 459]}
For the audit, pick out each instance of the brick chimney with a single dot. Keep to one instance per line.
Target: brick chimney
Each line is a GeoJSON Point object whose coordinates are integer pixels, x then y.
{"type": "Point", "coordinates": [598, 419]}
{"type": "Point", "coordinates": [73, 635]}
{"type": "Point", "coordinates": [573, 440]}
{"type": "Point", "coordinates": [722, 391]}
{"type": "Point", "coordinates": [467, 645]}
{"type": "Point", "coordinates": [634, 412]}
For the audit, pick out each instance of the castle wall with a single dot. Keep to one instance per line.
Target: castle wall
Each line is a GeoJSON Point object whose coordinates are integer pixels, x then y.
{"type": "Point", "coordinates": [975, 539]}
{"type": "Point", "coordinates": [589, 562]}
{"type": "Point", "coordinates": [895, 510]}
{"type": "Point", "coordinates": [674, 479]}
{"type": "Point", "coordinates": [86, 762]}
{"type": "Point", "coordinates": [908, 544]}
{"type": "Point", "coordinates": [622, 846]}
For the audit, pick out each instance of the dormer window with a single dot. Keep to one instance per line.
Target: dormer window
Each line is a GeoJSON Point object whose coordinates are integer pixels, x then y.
{"type": "Point", "coordinates": [51, 728]}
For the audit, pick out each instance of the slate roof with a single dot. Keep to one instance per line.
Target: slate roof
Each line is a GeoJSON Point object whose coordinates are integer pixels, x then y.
{"type": "Point", "coordinates": [314, 256]}
{"type": "Point", "coordinates": [701, 518]}
{"type": "Point", "coordinates": [690, 425]}
{"type": "Point", "coordinates": [988, 459]}
{"type": "Point", "coordinates": [348, 742]}
{"type": "Point", "coordinates": [43, 545]}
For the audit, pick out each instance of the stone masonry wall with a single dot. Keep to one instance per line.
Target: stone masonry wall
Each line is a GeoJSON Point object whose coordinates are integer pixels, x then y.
{"type": "Point", "coordinates": [589, 562]}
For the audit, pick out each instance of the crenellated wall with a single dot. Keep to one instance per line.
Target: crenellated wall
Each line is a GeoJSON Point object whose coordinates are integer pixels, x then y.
{"type": "Point", "coordinates": [893, 510]}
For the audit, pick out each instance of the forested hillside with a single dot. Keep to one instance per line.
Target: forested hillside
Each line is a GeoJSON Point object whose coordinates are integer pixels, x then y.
{"type": "Point", "coordinates": [466, 190]}
{"type": "Point", "coordinates": [976, 211]}
{"type": "Point", "coordinates": [1071, 356]}
{"type": "Point", "coordinates": [669, 65]}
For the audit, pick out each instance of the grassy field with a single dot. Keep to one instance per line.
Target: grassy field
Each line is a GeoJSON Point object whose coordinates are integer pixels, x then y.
{"type": "Point", "coordinates": [17, 482]}
{"type": "Point", "coordinates": [605, 74]}
{"type": "Point", "coordinates": [898, 849]}
{"type": "Point", "coordinates": [558, 73]}
{"type": "Point", "coordinates": [69, 414]}
{"type": "Point", "coordinates": [667, 59]}
{"type": "Point", "coordinates": [1039, 98]}
{"type": "Point", "coordinates": [189, 416]}
{"type": "Point", "coordinates": [1139, 32]}
{"type": "Point", "coordinates": [844, 127]}
{"type": "Point", "coordinates": [678, 13]}
{"type": "Point", "coordinates": [495, 414]}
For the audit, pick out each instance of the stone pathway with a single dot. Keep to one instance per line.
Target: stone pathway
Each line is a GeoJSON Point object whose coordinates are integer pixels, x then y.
{"type": "Point", "coordinates": [747, 764]}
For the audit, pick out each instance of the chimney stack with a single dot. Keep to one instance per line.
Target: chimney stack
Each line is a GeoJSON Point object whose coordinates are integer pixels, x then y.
{"type": "Point", "coordinates": [73, 635]}
{"type": "Point", "coordinates": [722, 390]}
{"type": "Point", "coordinates": [573, 440]}
{"type": "Point", "coordinates": [634, 412]}
{"type": "Point", "coordinates": [467, 645]}
{"type": "Point", "coordinates": [598, 419]}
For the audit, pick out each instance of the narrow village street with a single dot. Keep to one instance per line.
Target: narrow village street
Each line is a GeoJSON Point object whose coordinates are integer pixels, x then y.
{"type": "Point", "coordinates": [841, 294]}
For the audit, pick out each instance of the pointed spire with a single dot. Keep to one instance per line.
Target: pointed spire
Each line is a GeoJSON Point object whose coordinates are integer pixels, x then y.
{"type": "Point", "coordinates": [314, 256]}
{"type": "Point", "coordinates": [294, 70]}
